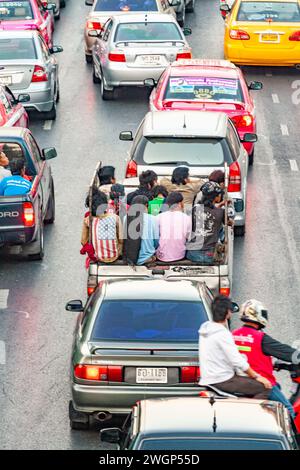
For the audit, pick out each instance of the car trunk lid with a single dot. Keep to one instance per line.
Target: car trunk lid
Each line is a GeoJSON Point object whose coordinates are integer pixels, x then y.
{"type": "Point", "coordinates": [17, 76]}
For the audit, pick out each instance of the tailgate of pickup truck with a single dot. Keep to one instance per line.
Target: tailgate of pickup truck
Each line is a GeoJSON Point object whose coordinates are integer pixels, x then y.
{"type": "Point", "coordinates": [12, 230]}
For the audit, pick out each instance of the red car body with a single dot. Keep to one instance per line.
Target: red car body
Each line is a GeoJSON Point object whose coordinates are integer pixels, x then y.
{"type": "Point", "coordinates": [215, 73]}
{"type": "Point", "coordinates": [27, 14]}
{"type": "Point", "coordinates": [11, 114]}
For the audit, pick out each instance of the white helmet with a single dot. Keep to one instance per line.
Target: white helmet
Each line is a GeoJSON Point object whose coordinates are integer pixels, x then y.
{"type": "Point", "coordinates": [254, 311]}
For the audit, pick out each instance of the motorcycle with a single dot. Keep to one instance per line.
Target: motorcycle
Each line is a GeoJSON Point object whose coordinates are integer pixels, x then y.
{"type": "Point", "coordinates": [294, 370]}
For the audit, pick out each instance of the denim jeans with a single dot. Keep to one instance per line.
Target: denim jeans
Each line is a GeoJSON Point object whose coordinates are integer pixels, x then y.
{"type": "Point", "coordinates": [198, 256]}
{"type": "Point", "coordinates": [277, 395]}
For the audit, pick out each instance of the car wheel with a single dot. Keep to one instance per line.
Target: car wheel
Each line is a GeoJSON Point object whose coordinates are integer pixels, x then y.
{"type": "Point", "coordinates": [78, 421]}
{"type": "Point", "coordinates": [62, 3]}
{"type": "Point", "coordinates": [51, 115]}
{"type": "Point", "coordinates": [190, 8]}
{"type": "Point", "coordinates": [181, 21]}
{"type": "Point", "coordinates": [251, 158]}
{"type": "Point", "coordinates": [57, 17]}
{"type": "Point", "coordinates": [50, 216]}
{"type": "Point", "coordinates": [96, 79]}
{"type": "Point", "coordinates": [239, 230]}
{"type": "Point", "coordinates": [35, 251]}
{"type": "Point", "coordinates": [106, 95]}
{"type": "Point", "coordinates": [88, 58]}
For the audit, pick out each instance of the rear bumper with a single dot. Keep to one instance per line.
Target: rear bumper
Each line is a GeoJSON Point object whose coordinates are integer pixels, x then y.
{"type": "Point", "coordinates": [120, 399]}
{"type": "Point", "coordinates": [41, 99]}
{"type": "Point", "coordinates": [261, 56]}
{"type": "Point", "coordinates": [16, 235]}
{"type": "Point", "coordinates": [121, 75]}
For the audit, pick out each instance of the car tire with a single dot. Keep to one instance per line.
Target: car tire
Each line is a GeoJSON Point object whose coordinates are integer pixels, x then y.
{"type": "Point", "coordinates": [251, 158]}
{"type": "Point", "coordinates": [88, 58]}
{"type": "Point", "coordinates": [62, 3]}
{"type": "Point", "coordinates": [51, 115]}
{"type": "Point", "coordinates": [57, 17]}
{"type": "Point", "coordinates": [239, 230]}
{"type": "Point", "coordinates": [36, 248]}
{"type": "Point", "coordinates": [181, 21]}
{"type": "Point", "coordinates": [96, 79]}
{"type": "Point", "coordinates": [50, 216]}
{"type": "Point", "coordinates": [106, 95]}
{"type": "Point", "coordinates": [190, 8]}
{"type": "Point", "coordinates": [78, 421]}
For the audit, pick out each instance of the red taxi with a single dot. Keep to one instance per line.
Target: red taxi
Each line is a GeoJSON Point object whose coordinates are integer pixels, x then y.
{"type": "Point", "coordinates": [27, 14]}
{"type": "Point", "coordinates": [12, 113]}
{"type": "Point", "coordinates": [208, 85]}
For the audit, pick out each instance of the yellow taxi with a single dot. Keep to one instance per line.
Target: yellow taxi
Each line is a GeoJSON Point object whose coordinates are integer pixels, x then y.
{"type": "Point", "coordinates": [259, 32]}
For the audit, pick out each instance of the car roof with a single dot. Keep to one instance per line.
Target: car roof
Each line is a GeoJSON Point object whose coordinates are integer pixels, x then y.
{"type": "Point", "coordinates": [153, 17]}
{"type": "Point", "coordinates": [27, 33]}
{"type": "Point", "coordinates": [185, 123]}
{"type": "Point", "coordinates": [196, 414]}
{"type": "Point", "coordinates": [140, 289]}
{"type": "Point", "coordinates": [12, 132]}
{"type": "Point", "coordinates": [204, 67]}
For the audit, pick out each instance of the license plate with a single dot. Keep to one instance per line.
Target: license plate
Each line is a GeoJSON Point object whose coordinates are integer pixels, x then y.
{"type": "Point", "coordinates": [154, 375]}
{"type": "Point", "coordinates": [270, 37]}
{"type": "Point", "coordinates": [5, 80]}
{"type": "Point", "coordinates": [150, 59]}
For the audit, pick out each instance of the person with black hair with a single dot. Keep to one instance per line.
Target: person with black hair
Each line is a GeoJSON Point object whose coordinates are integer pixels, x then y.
{"type": "Point", "coordinates": [220, 360]}
{"type": "Point", "coordinates": [116, 201]}
{"type": "Point", "coordinates": [16, 184]}
{"type": "Point", "coordinates": [181, 181]}
{"type": "Point", "coordinates": [159, 196]}
{"type": "Point", "coordinates": [107, 178]}
{"type": "Point", "coordinates": [4, 163]}
{"type": "Point", "coordinates": [148, 180]}
{"type": "Point", "coordinates": [174, 228]}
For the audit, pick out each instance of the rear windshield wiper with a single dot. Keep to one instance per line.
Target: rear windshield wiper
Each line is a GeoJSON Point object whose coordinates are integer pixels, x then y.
{"type": "Point", "coordinates": [169, 163]}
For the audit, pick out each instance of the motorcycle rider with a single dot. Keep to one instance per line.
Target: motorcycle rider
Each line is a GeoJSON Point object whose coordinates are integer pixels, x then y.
{"type": "Point", "coordinates": [259, 348]}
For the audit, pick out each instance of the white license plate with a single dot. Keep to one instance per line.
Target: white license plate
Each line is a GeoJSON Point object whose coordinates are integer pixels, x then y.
{"type": "Point", "coordinates": [153, 375]}
{"type": "Point", "coordinates": [150, 59]}
{"type": "Point", "coordinates": [5, 80]}
{"type": "Point", "coordinates": [270, 38]}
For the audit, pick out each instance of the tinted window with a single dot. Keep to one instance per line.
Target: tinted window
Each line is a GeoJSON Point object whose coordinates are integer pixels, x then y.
{"type": "Point", "coordinates": [126, 5]}
{"type": "Point", "coordinates": [17, 48]}
{"type": "Point", "coordinates": [149, 320]}
{"type": "Point", "coordinates": [13, 150]}
{"type": "Point", "coordinates": [209, 444]}
{"type": "Point", "coordinates": [11, 11]}
{"type": "Point", "coordinates": [147, 31]}
{"type": "Point", "coordinates": [183, 151]}
{"type": "Point", "coordinates": [233, 141]}
{"type": "Point", "coordinates": [203, 88]}
{"type": "Point", "coordinates": [285, 12]}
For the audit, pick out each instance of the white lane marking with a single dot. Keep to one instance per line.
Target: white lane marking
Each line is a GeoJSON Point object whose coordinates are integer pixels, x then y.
{"type": "Point", "coordinates": [294, 165]}
{"type": "Point", "coordinates": [3, 298]}
{"type": "Point", "coordinates": [284, 129]}
{"type": "Point", "coordinates": [269, 74]}
{"type": "Point", "coordinates": [47, 125]}
{"type": "Point", "coordinates": [2, 353]}
{"type": "Point", "coordinates": [275, 98]}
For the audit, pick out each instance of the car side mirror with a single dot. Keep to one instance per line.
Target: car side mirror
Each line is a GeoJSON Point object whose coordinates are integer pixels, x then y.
{"type": "Point", "coordinates": [235, 307]}
{"type": "Point", "coordinates": [225, 8]}
{"type": "Point", "coordinates": [50, 6]}
{"type": "Point", "coordinates": [174, 3]}
{"type": "Point", "coordinates": [149, 83]}
{"type": "Point", "coordinates": [23, 98]}
{"type": "Point", "coordinates": [94, 34]}
{"type": "Point", "coordinates": [74, 306]}
{"type": "Point", "coordinates": [126, 135]}
{"type": "Point", "coordinates": [56, 49]}
{"type": "Point", "coordinates": [187, 31]}
{"type": "Point", "coordinates": [49, 153]}
{"type": "Point", "coordinates": [89, 3]}
{"type": "Point", "coordinates": [249, 137]}
{"type": "Point", "coordinates": [255, 86]}
{"type": "Point", "coordinates": [111, 435]}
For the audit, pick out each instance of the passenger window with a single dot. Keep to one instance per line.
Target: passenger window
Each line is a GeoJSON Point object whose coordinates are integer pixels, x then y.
{"type": "Point", "coordinates": [6, 102]}
{"type": "Point", "coordinates": [33, 148]}
{"type": "Point", "coordinates": [41, 7]}
{"type": "Point", "coordinates": [107, 31]}
{"type": "Point", "coordinates": [233, 141]}
{"type": "Point", "coordinates": [127, 431]}
{"type": "Point", "coordinates": [45, 50]}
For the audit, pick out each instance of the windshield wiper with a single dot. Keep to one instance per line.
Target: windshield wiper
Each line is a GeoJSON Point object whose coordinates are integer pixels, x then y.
{"type": "Point", "coordinates": [169, 163]}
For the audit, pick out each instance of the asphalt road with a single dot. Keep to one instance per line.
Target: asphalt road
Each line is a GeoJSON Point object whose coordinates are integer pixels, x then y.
{"type": "Point", "coordinates": [36, 331]}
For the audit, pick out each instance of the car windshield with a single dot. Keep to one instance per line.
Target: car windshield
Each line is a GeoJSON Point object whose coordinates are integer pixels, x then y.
{"type": "Point", "coordinates": [283, 12]}
{"type": "Point", "coordinates": [11, 11]}
{"type": "Point", "coordinates": [203, 88]}
{"type": "Point", "coordinates": [17, 49]}
{"type": "Point", "coordinates": [149, 320]}
{"type": "Point", "coordinates": [209, 444]}
{"type": "Point", "coordinates": [147, 32]}
{"type": "Point", "coordinates": [126, 5]}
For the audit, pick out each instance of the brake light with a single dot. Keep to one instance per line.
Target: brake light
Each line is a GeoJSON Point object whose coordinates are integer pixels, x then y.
{"type": "Point", "coordinates": [184, 55]}
{"type": "Point", "coordinates": [39, 74]}
{"type": "Point", "coordinates": [131, 170]}
{"type": "Point", "coordinates": [116, 57]}
{"type": "Point", "coordinates": [204, 394]}
{"type": "Point", "coordinates": [296, 380]}
{"type": "Point", "coordinates": [239, 34]}
{"type": "Point", "coordinates": [225, 291]}
{"type": "Point", "coordinates": [93, 25]}
{"type": "Point", "coordinates": [234, 184]}
{"type": "Point", "coordinates": [245, 120]}
{"type": "Point", "coordinates": [90, 290]}
{"type": "Point", "coordinates": [98, 373]}
{"type": "Point", "coordinates": [190, 374]}
{"type": "Point", "coordinates": [295, 36]}
{"type": "Point", "coordinates": [28, 214]}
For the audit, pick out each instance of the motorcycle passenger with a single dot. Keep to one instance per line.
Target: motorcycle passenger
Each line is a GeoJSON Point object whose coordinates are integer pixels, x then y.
{"type": "Point", "coordinates": [259, 348]}
{"type": "Point", "coordinates": [220, 360]}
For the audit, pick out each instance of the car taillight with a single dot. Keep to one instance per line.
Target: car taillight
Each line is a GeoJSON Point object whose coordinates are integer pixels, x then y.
{"type": "Point", "coordinates": [93, 25]}
{"type": "Point", "coordinates": [296, 380]}
{"type": "Point", "coordinates": [131, 170]}
{"type": "Point", "coordinates": [39, 74]}
{"type": "Point", "coordinates": [224, 286]}
{"type": "Point", "coordinates": [295, 36]}
{"type": "Point", "coordinates": [99, 373]}
{"type": "Point", "coordinates": [90, 290]}
{"type": "Point", "coordinates": [225, 291]}
{"type": "Point", "coordinates": [245, 120]}
{"type": "Point", "coordinates": [239, 34]}
{"type": "Point", "coordinates": [190, 374]}
{"type": "Point", "coordinates": [114, 57]}
{"type": "Point", "coordinates": [184, 55]}
{"type": "Point", "coordinates": [28, 214]}
{"type": "Point", "coordinates": [234, 184]}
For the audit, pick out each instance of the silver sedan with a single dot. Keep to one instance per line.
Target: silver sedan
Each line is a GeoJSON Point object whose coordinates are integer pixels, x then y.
{"type": "Point", "coordinates": [28, 67]}
{"type": "Point", "coordinates": [133, 48]}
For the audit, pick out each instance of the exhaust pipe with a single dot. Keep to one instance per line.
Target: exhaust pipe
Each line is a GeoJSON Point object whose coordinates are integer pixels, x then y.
{"type": "Point", "coordinates": [103, 416]}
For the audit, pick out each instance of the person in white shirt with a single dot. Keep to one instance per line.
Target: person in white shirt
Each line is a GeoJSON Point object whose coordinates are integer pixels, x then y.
{"type": "Point", "coordinates": [220, 360]}
{"type": "Point", "coordinates": [4, 162]}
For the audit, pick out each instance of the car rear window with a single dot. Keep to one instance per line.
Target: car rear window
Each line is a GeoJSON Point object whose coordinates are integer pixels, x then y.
{"type": "Point", "coordinates": [147, 32]}
{"type": "Point", "coordinates": [149, 320]}
{"type": "Point", "coordinates": [283, 12]}
{"type": "Point", "coordinates": [11, 11]}
{"type": "Point", "coordinates": [126, 5]}
{"type": "Point", "coordinates": [203, 88]}
{"type": "Point", "coordinates": [182, 151]}
{"type": "Point", "coordinates": [14, 151]}
{"type": "Point", "coordinates": [17, 49]}
{"type": "Point", "coordinates": [210, 444]}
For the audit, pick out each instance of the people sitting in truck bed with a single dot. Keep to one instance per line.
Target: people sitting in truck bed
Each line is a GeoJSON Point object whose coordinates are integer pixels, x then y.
{"type": "Point", "coordinates": [147, 179]}
{"type": "Point", "coordinates": [107, 178]}
{"type": "Point", "coordinates": [182, 182]}
{"type": "Point", "coordinates": [159, 197]}
{"type": "Point", "coordinates": [175, 229]}
{"type": "Point", "coordinates": [16, 184]}
{"type": "Point", "coordinates": [116, 203]}
{"type": "Point", "coordinates": [207, 221]}
{"type": "Point", "coordinates": [106, 232]}
{"type": "Point", "coordinates": [4, 162]}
